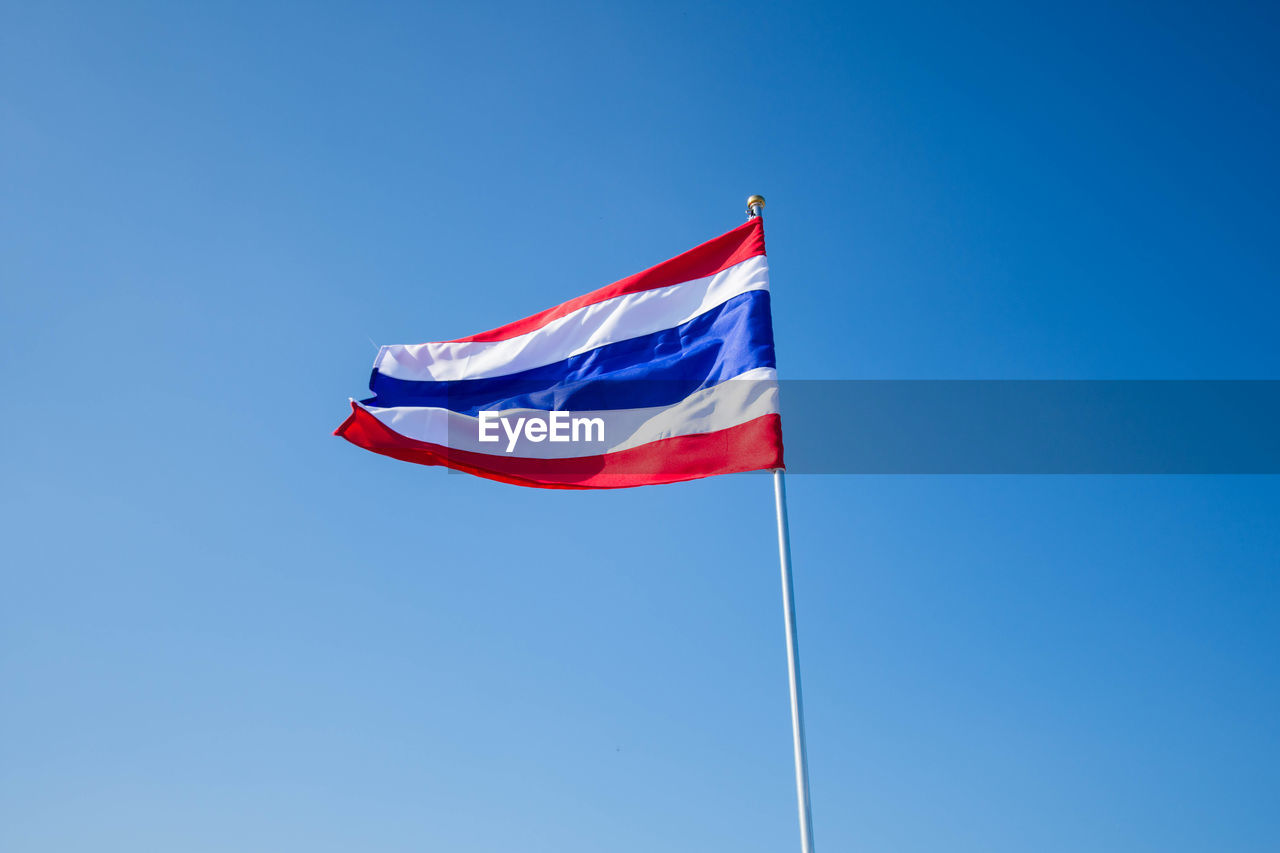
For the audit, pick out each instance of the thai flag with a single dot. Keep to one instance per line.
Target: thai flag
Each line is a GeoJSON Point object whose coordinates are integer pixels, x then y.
{"type": "Point", "coordinates": [666, 375]}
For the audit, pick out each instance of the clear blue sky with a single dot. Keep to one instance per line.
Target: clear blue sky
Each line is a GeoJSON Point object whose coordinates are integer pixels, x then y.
{"type": "Point", "coordinates": [222, 629]}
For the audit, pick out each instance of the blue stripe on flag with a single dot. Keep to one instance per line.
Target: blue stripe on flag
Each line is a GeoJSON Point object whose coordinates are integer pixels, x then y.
{"type": "Point", "coordinates": [650, 370]}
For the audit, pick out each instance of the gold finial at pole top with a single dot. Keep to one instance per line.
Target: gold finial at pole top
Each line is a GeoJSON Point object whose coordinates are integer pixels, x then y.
{"type": "Point", "coordinates": [755, 204]}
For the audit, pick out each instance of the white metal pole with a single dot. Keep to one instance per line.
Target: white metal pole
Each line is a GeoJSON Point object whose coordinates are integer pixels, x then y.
{"type": "Point", "coordinates": [793, 665]}
{"type": "Point", "coordinates": [755, 207]}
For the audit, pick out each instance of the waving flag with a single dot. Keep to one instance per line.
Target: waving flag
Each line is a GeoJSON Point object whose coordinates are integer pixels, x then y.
{"type": "Point", "coordinates": [666, 375]}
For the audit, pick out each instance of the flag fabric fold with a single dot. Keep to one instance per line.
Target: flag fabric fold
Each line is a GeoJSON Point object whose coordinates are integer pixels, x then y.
{"type": "Point", "coordinates": [666, 375]}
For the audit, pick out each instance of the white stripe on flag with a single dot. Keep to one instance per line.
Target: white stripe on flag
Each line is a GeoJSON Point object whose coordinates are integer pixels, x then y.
{"type": "Point", "coordinates": [732, 402]}
{"type": "Point", "coordinates": [613, 320]}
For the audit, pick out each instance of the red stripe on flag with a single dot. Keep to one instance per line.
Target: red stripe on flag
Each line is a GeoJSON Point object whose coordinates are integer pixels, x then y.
{"type": "Point", "coordinates": [715, 255]}
{"type": "Point", "coordinates": [752, 446]}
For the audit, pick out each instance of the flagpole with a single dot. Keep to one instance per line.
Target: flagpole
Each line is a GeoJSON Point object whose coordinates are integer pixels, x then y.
{"type": "Point", "coordinates": [755, 207]}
